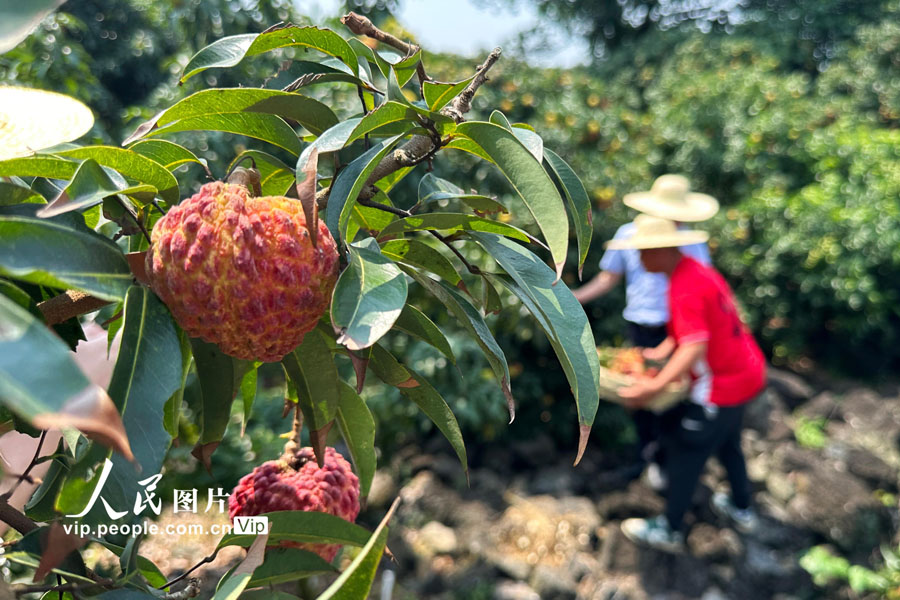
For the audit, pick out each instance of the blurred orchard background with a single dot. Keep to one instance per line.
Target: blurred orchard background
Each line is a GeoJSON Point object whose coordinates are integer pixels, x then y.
{"type": "Point", "coordinates": [788, 111]}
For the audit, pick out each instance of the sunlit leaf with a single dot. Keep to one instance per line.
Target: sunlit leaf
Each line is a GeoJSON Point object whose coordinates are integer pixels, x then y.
{"type": "Point", "coordinates": [579, 203]}
{"type": "Point", "coordinates": [438, 95]}
{"type": "Point", "coordinates": [131, 164]}
{"type": "Point", "coordinates": [451, 222]}
{"type": "Point", "coordinates": [418, 254]}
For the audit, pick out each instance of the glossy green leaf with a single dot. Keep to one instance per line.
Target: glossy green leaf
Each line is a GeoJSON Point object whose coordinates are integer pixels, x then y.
{"type": "Point", "coordinates": [229, 51]}
{"type": "Point", "coordinates": [418, 254]}
{"type": "Point", "coordinates": [37, 373]}
{"type": "Point", "coordinates": [133, 165]}
{"type": "Point", "coordinates": [11, 193]}
{"type": "Point", "coordinates": [370, 219]}
{"type": "Point", "coordinates": [216, 373]}
{"type": "Point", "coordinates": [169, 154]}
{"type": "Point", "coordinates": [579, 203]}
{"type": "Point", "coordinates": [416, 388]}
{"type": "Point", "coordinates": [349, 183]}
{"type": "Point", "coordinates": [472, 321]}
{"type": "Point", "coordinates": [389, 112]}
{"type": "Point", "coordinates": [490, 298]}
{"type": "Point", "coordinates": [20, 19]}
{"type": "Point", "coordinates": [358, 430]}
{"type": "Point", "coordinates": [232, 584]}
{"type": "Point", "coordinates": [275, 177]}
{"type": "Point", "coordinates": [51, 252]}
{"type": "Point", "coordinates": [311, 73]}
{"type": "Point", "coordinates": [312, 369]}
{"type": "Point", "coordinates": [356, 580]}
{"type": "Point", "coordinates": [172, 409]}
{"type": "Point", "coordinates": [436, 189]}
{"type": "Point", "coordinates": [467, 145]}
{"type": "Point", "coordinates": [529, 138]}
{"type": "Point", "coordinates": [288, 564]}
{"type": "Point", "coordinates": [414, 322]}
{"type": "Point", "coordinates": [147, 373]}
{"type": "Point", "coordinates": [89, 186]}
{"type": "Point", "coordinates": [559, 314]}
{"type": "Point", "coordinates": [438, 95]}
{"type": "Point", "coordinates": [305, 528]}
{"type": "Point", "coordinates": [39, 165]}
{"type": "Point", "coordinates": [312, 114]}
{"type": "Point", "coordinates": [530, 182]}
{"type": "Point", "coordinates": [368, 297]}
{"type": "Point", "coordinates": [451, 222]}
{"type": "Point", "coordinates": [268, 128]}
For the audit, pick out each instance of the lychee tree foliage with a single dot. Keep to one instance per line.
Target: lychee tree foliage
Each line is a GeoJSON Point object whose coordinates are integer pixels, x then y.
{"type": "Point", "coordinates": [312, 203]}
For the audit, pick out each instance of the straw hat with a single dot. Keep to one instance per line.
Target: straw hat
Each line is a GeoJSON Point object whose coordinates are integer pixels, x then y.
{"type": "Point", "coordinates": [670, 198]}
{"type": "Point", "coordinates": [654, 232]}
{"type": "Point", "coordinates": [31, 120]}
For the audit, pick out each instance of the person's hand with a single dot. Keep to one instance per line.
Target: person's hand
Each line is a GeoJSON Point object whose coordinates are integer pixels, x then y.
{"type": "Point", "coordinates": [639, 393]}
{"type": "Point", "coordinates": [658, 353]}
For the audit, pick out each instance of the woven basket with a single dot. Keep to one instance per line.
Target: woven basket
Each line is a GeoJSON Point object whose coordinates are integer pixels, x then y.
{"type": "Point", "coordinates": [611, 382]}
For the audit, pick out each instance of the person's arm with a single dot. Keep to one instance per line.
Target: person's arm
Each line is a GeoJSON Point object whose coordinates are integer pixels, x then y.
{"type": "Point", "coordinates": [678, 366]}
{"type": "Point", "coordinates": [600, 285]}
{"type": "Point", "coordinates": [662, 351]}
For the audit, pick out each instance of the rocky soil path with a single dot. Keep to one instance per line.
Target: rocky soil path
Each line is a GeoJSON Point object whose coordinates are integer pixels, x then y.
{"type": "Point", "coordinates": [529, 526]}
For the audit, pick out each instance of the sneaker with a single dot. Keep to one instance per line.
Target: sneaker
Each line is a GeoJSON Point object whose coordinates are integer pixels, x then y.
{"type": "Point", "coordinates": [656, 478]}
{"type": "Point", "coordinates": [654, 532]}
{"type": "Point", "coordinates": [744, 519]}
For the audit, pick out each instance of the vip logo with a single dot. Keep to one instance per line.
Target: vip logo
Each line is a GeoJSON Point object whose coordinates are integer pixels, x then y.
{"type": "Point", "coordinates": [251, 525]}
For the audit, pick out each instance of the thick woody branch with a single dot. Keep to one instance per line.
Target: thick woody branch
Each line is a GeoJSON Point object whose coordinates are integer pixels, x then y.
{"type": "Point", "coordinates": [16, 519]}
{"type": "Point", "coordinates": [361, 25]}
{"type": "Point", "coordinates": [69, 304]}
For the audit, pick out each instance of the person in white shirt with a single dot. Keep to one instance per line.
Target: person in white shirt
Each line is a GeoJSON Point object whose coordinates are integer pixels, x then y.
{"type": "Point", "coordinates": [646, 304]}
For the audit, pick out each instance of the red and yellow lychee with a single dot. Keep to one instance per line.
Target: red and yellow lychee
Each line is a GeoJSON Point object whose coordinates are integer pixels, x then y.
{"type": "Point", "coordinates": [297, 483]}
{"type": "Point", "coordinates": [242, 272]}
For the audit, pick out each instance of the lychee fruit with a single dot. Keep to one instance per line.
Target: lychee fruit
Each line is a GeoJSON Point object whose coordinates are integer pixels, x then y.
{"type": "Point", "coordinates": [241, 272]}
{"type": "Point", "coordinates": [297, 483]}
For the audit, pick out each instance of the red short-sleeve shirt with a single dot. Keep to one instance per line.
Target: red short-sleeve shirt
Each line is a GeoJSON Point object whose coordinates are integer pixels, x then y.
{"type": "Point", "coordinates": [702, 309]}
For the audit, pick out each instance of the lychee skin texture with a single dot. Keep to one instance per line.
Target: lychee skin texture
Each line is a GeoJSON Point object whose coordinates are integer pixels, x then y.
{"type": "Point", "coordinates": [300, 484]}
{"type": "Point", "coordinates": [241, 272]}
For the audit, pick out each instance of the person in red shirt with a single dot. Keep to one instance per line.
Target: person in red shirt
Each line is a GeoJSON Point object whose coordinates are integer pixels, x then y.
{"type": "Point", "coordinates": [708, 342]}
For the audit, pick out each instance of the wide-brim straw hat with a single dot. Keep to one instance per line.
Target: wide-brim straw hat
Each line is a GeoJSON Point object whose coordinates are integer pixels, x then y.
{"type": "Point", "coordinates": [654, 232]}
{"type": "Point", "coordinates": [32, 120]}
{"type": "Point", "coordinates": [670, 197]}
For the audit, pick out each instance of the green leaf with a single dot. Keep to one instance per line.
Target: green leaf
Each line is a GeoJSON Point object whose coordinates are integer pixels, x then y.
{"type": "Point", "coordinates": [358, 430]}
{"type": "Point", "coordinates": [451, 222]}
{"type": "Point", "coordinates": [419, 254]}
{"type": "Point", "coordinates": [229, 51]}
{"type": "Point", "coordinates": [50, 252]}
{"type": "Point", "coordinates": [356, 580]}
{"type": "Point", "coordinates": [413, 321]}
{"type": "Point", "coordinates": [219, 386]}
{"type": "Point", "coordinates": [311, 73]}
{"type": "Point", "coordinates": [39, 165]}
{"type": "Point", "coordinates": [267, 594]}
{"type": "Point", "coordinates": [559, 314]}
{"type": "Point", "coordinates": [11, 193]}
{"type": "Point", "coordinates": [530, 181]}
{"type": "Point", "coordinates": [467, 145]}
{"type": "Point", "coordinates": [304, 528]}
{"type": "Point", "coordinates": [368, 297]}
{"type": "Point", "coordinates": [416, 388]}
{"type": "Point", "coordinates": [172, 410]}
{"type": "Point", "coordinates": [474, 324]}
{"type": "Point", "coordinates": [406, 67]}
{"type": "Point", "coordinates": [312, 370]}
{"type": "Point", "coordinates": [349, 183]}
{"type": "Point", "coordinates": [438, 95]}
{"type": "Point", "coordinates": [579, 203]}
{"type": "Point", "coordinates": [268, 128]}
{"type": "Point", "coordinates": [169, 154]}
{"type": "Point", "coordinates": [490, 299]}
{"type": "Point", "coordinates": [149, 570]}
{"type": "Point", "coordinates": [370, 219]}
{"type": "Point", "coordinates": [312, 114]}
{"type": "Point", "coordinates": [231, 585]}
{"type": "Point", "coordinates": [435, 189]}
{"type": "Point", "coordinates": [275, 177]}
{"type": "Point", "coordinates": [288, 564]}
{"type": "Point", "coordinates": [133, 165]}
{"type": "Point", "coordinates": [147, 373]}
{"type": "Point", "coordinates": [89, 186]}
{"type": "Point", "coordinates": [20, 19]}
{"type": "Point", "coordinates": [529, 138]}
{"type": "Point", "coordinates": [389, 112]}
{"type": "Point", "coordinates": [248, 394]}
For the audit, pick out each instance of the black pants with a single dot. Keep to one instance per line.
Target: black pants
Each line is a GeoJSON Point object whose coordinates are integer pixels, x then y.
{"type": "Point", "coordinates": [646, 423]}
{"type": "Point", "coordinates": [690, 437]}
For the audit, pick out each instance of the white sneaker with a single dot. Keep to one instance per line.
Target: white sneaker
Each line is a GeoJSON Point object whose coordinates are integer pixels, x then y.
{"type": "Point", "coordinates": [745, 519]}
{"type": "Point", "coordinates": [655, 533]}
